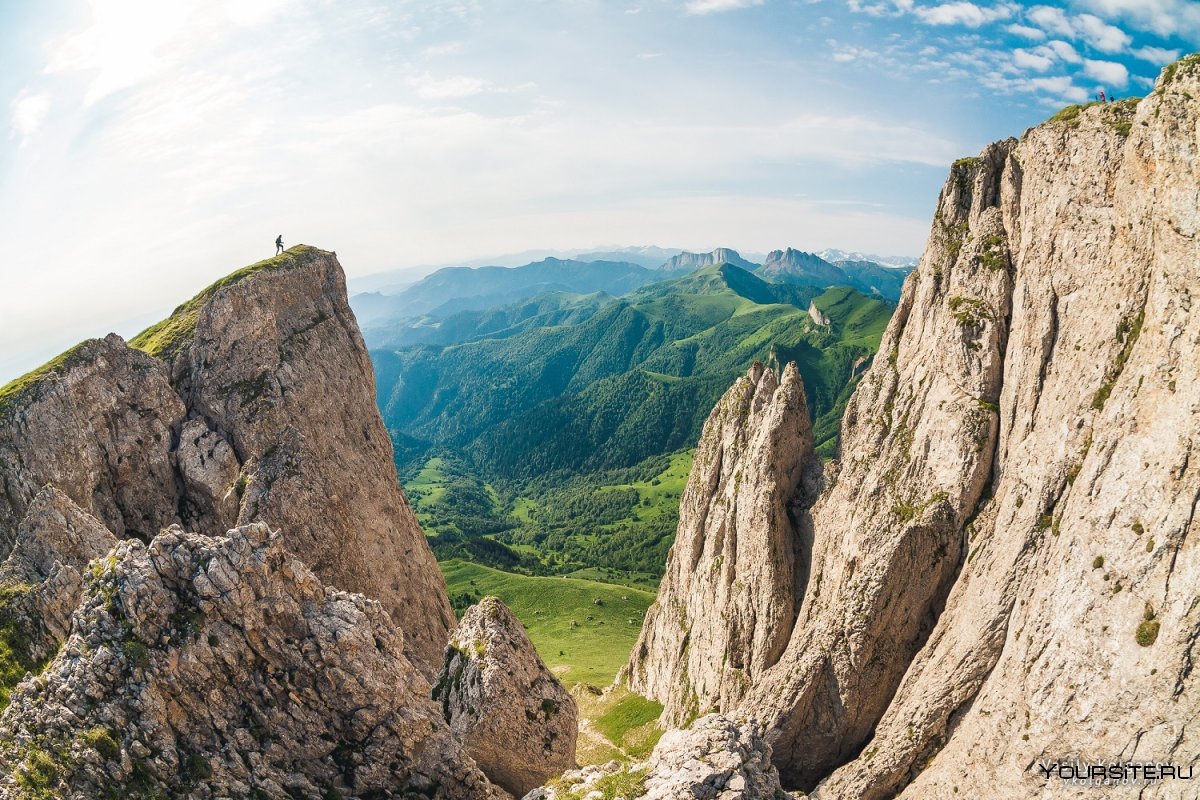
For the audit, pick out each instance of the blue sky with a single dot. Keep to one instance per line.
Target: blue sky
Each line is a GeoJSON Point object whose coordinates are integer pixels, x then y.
{"type": "Point", "coordinates": [151, 147]}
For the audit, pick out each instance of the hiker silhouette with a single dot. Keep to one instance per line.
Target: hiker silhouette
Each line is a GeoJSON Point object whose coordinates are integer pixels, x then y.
{"type": "Point", "coordinates": [279, 244]}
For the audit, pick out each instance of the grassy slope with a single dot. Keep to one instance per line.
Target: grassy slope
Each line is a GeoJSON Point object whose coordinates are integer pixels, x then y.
{"type": "Point", "coordinates": [163, 338]}
{"type": "Point", "coordinates": [592, 650]}
{"type": "Point", "coordinates": [14, 390]}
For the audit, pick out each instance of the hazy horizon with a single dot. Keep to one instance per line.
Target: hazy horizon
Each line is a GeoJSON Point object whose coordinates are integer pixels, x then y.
{"type": "Point", "coordinates": [154, 147]}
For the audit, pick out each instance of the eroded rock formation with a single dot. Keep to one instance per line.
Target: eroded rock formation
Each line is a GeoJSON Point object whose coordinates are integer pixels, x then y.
{"type": "Point", "coordinates": [222, 667]}
{"type": "Point", "coordinates": [42, 579]}
{"type": "Point", "coordinates": [1001, 572]}
{"type": "Point", "coordinates": [736, 572]}
{"type": "Point", "coordinates": [98, 422]}
{"type": "Point", "coordinates": [717, 758]}
{"type": "Point", "coordinates": [254, 401]}
{"type": "Point", "coordinates": [511, 714]}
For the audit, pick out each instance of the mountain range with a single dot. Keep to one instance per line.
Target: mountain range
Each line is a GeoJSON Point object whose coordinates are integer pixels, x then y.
{"type": "Point", "coordinates": [553, 408]}
{"type": "Point", "coordinates": [413, 313]}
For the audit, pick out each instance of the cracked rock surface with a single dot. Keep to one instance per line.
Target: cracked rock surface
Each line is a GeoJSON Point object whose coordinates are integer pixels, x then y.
{"type": "Point", "coordinates": [213, 667]}
{"type": "Point", "coordinates": [511, 714]}
{"type": "Point", "coordinates": [717, 758]}
{"type": "Point", "coordinates": [1002, 566]}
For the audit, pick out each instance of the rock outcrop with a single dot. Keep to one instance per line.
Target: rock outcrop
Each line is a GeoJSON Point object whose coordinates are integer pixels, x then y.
{"type": "Point", "coordinates": [688, 262]}
{"type": "Point", "coordinates": [797, 266]}
{"type": "Point", "coordinates": [1072, 629]}
{"type": "Point", "coordinates": [1001, 573]}
{"type": "Point", "coordinates": [737, 570]}
{"type": "Point", "coordinates": [222, 667]}
{"type": "Point", "coordinates": [99, 423]}
{"type": "Point", "coordinates": [258, 360]}
{"type": "Point", "coordinates": [254, 401]}
{"type": "Point", "coordinates": [41, 580]}
{"type": "Point", "coordinates": [718, 758]}
{"type": "Point", "coordinates": [511, 714]}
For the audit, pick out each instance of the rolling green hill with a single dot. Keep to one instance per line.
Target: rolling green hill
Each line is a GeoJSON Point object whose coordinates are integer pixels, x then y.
{"type": "Point", "coordinates": [634, 380]}
{"type": "Point", "coordinates": [582, 629]}
{"type": "Point", "coordinates": [563, 448]}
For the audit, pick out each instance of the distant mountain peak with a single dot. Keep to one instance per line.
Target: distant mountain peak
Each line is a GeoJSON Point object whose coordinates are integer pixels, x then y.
{"type": "Point", "coordinates": [834, 255]}
{"type": "Point", "coordinates": [692, 261]}
{"type": "Point", "coordinates": [792, 263]}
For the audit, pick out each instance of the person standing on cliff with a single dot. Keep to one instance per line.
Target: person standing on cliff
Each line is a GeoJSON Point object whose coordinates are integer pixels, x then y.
{"type": "Point", "coordinates": [279, 244]}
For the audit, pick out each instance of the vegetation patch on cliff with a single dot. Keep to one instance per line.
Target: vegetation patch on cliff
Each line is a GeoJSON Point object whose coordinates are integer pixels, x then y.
{"type": "Point", "coordinates": [630, 723]}
{"type": "Point", "coordinates": [12, 392]}
{"type": "Point", "coordinates": [175, 332]}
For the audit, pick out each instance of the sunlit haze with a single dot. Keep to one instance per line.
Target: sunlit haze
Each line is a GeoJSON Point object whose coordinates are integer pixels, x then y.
{"type": "Point", "coordinates": [152, 147]}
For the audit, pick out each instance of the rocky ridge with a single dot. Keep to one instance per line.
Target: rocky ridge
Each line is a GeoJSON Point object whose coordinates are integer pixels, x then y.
{"type": "Point", "coordinates": [733, 577]}
{"type": "Point", "coordinates": [687, 262]}
{"type": "Point", "coordinates": [1001, 573]}
{"type": "Point", "coordinates": [41, 580]}
{"type": "Point", "coordinates": [797, 265]}
{"type": "Point", "coordinates": [223, 414]}
{"type": "Point", "coordinates": [212, 667]}
{"type": "Point", "coordinates": [717, 758]}
{"type": "Point", "coordinates": [511, 714]}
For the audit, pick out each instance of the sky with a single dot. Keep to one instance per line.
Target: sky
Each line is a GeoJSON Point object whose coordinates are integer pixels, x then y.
{"type": "Point", "coordinates": [148, 148]}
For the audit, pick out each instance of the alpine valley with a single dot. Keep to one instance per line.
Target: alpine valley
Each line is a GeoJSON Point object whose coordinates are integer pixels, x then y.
{"type": "Point", "coordinates": [553, 435]}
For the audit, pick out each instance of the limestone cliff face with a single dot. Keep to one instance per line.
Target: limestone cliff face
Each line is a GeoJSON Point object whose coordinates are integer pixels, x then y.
{"type": "Point", "coordinates": [718, 758]}
{"type": "Point", "coordinates": [1072, 629]}
{"type": "Point", "coordinates": [222, 667]}
{"type": "Point", "coordinates": [736, 573]}
{"type": "Point", "coordinates": [42, 579]}
{"type": "Point", "coordinates": [511, 714]}
{"type": "Point", "coordinates": [275, 365]}
{"type": "Point", "coordinates": [918, 441]}
{"type": "Point", "coordinates": [1001, 571]}
{"type": "Point", "coordinates": [99, 423]}
{"type": "Point", "coordinates": [253, 402]}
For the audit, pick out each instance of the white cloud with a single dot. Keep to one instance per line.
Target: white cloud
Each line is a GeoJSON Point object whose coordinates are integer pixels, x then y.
{"type": "Point", "coordinates": [963, 13]}
{"type": "Point", "coordinates": [1109, 73]}
{"type": "Point", "coordinates": [444, 49]}
{"type": "Point", "coordinates": [1064, 51]}
{"type": "Point", "coordinates": [1163, 17]}
{"type": "Point", "coordinates": [1157, 56]}
{"type": "Point", "coordinates": [1056, 89]}
{"type": "Point", "coordinates": [1051, 20]}
{"type": "Point", "coordinates": [1026, 59]}
{"type": "Point", "coordinates": [1033, 34]}
{"type": "Point", "coordinates": [128, 42]}
{"type": "Point", "coordinates": [28, 113]}
{"type": "Point", "coordinates": [1088, 27]}
{"type": "Point", "coordinates": [1100, 35]}
{"type": "Point", "coordinates": [713, 6]}
{"type": "Point", "coordinates": [125, 43]}
{"type": "Point", "coordinates": [1059, 86]}
{"type": "Point", "coordinates": [433, 88]}
{"type": "Point", "coordinates": [253, 13]}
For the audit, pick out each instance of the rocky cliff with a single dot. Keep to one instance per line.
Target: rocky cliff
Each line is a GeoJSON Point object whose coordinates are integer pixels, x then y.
{"type": "Point", "coordinates": [511, 714]}
{"type": "Point", "coordinates": [1001, 573]}
{"type": "Point", "coordinates": [716, 758]}
{"type": "Point", "coordinates": [211, 667]}
{"type": "Point", "coordinates": [688, 262]}
{"type": "Point", "coordinates": [737, 569]}
{"type": "Point", "coordinates": [42, 579]}
{"type": "Point", "coordinates": [253, 401]}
